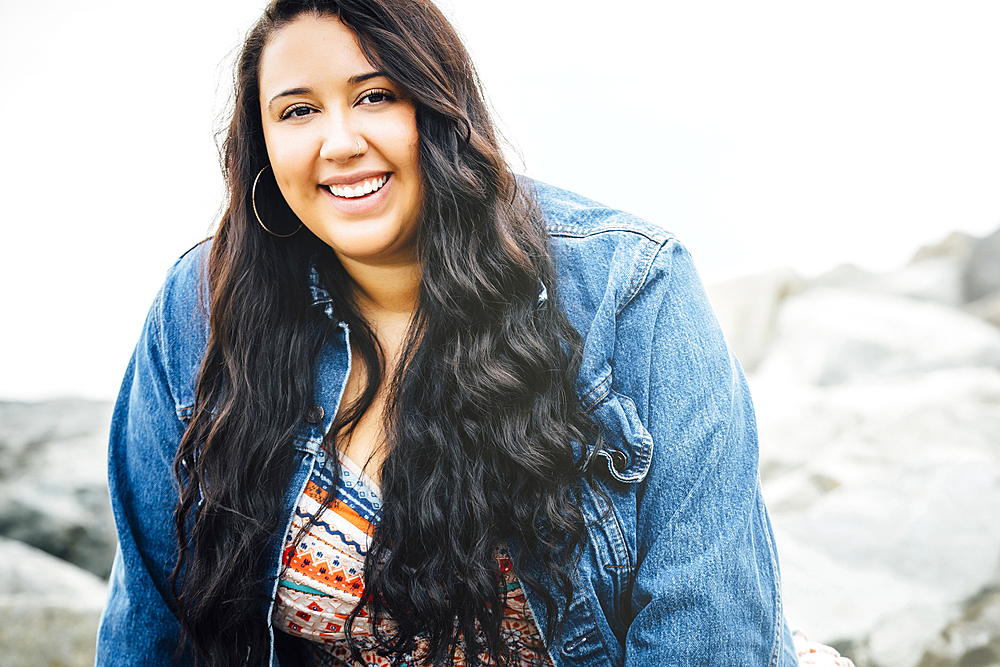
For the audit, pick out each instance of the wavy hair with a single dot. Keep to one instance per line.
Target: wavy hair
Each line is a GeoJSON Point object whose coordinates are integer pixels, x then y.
{"type": "Point", "coordinates": [482, 410]}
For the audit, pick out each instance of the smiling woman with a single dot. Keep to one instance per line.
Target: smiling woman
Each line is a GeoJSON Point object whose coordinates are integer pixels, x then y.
{"type": "Point", "coordinates": [406, 408]}
{"type": "Point", "coordinates": [342, 140]}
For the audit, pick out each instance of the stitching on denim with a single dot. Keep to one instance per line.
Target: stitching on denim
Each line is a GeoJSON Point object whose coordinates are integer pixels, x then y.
{"type": "Point", "coordinates": [644, 455]}
{"type": "Point", "coordinates": [604, 386]}
{"type": "Point", "coordinates": [157, 343]}
{"type": "Point", "coordinates": [643, 266]}
{"type": "Point", "coordinates": [571, 231]}
{"type": "Point", "coordinates": [307, 445]}
{"type": "Point", "coordinates": [579, 641]}
{"type": "Point", "coordinates": [612, 528]}
{"type": "Point", "coordinates": [779, 626]}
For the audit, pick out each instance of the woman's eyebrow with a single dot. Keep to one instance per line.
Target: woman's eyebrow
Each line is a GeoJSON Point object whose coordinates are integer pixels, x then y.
{"type": "Point", "coordinates": [359, 78]}
{"type": "Point", "coordinates": [354, 80]}
{"type": "Point", "coordinates": [289, 93]}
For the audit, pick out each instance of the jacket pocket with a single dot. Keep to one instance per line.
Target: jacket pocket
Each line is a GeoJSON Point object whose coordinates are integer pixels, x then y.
{"type": "Point", "coordinates": [628, 446]}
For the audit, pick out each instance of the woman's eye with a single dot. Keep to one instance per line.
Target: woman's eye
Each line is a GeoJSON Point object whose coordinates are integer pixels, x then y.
{"type": "Point", "coordinates": [376, 96]}
{"type": "Point", "coordinates": [296, 112]}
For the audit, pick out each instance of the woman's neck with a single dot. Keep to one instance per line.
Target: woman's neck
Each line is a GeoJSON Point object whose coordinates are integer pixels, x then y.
{"type": "Point", "coordinates": [385, 293]}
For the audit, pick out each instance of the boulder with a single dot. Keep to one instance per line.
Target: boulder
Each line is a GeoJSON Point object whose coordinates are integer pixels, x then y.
{"type": "Point", "coordinates": [971, 639]}
{"type": "Point", "coordinates": [828, 336]}
{"type": "Point", "coordinates": [936, 273]}
{"type": "Point", "coordinates": [986, 308]}
{"type": "Point", "coordinates": [932, 278]}
{"type": "Point", "coordinates": [982, 273]}
{"type": "Point", "coordinates": [747, 309]}
{"type": "Point", "coordinates": [53, 480]}
{"type": "Point", "coordinates": [884, 496]}
{"type": "Point", "coordinates": [49, 609]}
{"type": "Point", "coordinates": [957, 246]}
{"type": "Point", "coordinates": [26, 428]}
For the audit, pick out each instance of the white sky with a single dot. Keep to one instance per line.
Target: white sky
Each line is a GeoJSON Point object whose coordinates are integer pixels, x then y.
{"type": "Point", "coordinates": [763, 134]}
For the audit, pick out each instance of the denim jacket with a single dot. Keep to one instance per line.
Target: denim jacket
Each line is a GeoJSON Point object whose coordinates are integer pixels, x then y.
{"type": "Point", "coordinates": [681, 569]}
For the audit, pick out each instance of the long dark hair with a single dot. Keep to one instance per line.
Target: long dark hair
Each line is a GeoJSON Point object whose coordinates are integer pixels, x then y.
{"type": "Point", "coordinates": [482, 411]}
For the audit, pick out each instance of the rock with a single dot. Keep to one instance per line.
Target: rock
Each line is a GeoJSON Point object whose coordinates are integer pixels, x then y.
{"type": "Point", "coordinates": [884, 497]}
{"type": "Point", "coordinates": [49, 609]}
{"type": "Point", "coordinates": [957, 246]}
{"type": "Point", "coordinates": [982, 274]}
{"type": "Point", "coordinates": [25, 428]}
{"type": "Point", "coordinates": [971, 639]}
{"type": "Point", "coordinates": [936, 273]}
{"type": "Point", "coordinates": [747, 309]}
{"type": "Point", "coordinates": [53, 485]}
{"type": "Point", "coordinates": [829, 336]}
{"type": "Point", "coordinates": [933, 278]}
{"type": "Point", "coordinates": [986, 308]}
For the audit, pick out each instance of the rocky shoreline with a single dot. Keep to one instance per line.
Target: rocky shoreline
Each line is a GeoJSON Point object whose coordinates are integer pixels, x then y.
{"type": "Point", "coordinates": [878, 402]}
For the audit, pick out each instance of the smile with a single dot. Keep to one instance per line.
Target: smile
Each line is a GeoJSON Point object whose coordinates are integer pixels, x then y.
{"type": "Point", "coordinates": [365, 187]}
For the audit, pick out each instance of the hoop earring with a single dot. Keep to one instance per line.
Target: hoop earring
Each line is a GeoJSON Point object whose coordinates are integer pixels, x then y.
{"type": "Point", "coordinates": [253, 201]}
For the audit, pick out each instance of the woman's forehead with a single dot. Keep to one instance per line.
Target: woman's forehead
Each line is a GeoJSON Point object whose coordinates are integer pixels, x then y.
{"type": "Point", "coordinates": [311, 48]}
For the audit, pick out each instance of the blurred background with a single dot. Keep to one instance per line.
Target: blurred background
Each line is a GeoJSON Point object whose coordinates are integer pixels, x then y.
{"type": "Point", "coordinates": [834, 167]}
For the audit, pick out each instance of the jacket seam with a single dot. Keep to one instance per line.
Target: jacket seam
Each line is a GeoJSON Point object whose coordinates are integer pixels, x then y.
{"type": "Point", "coordinates": [640, 277]}
{"type": "Point", "coordinates": [562, 230]}
{"type": "Point", "coordinates": [776, 572]}
{"type": "Point", "coordinates": [163, 350]}
{"type": "Point", "coordinates": [604, 386]}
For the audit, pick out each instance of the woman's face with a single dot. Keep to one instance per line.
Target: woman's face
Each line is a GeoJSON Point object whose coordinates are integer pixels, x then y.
{"type": "Point", "coordinates": [342, 140]}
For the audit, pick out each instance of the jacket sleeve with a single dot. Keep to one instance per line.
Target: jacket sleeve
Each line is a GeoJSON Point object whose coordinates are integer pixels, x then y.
{"type": "Point", "coordinates": [138, 626]}
{"type": "Point", "coordinates": [706, 588]}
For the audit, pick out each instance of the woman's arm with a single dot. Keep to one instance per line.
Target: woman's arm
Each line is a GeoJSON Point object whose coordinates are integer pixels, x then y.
{"type": "Point", "coordinates": [138, 626]}
{"type": "Point", "coordinates": [706, 588]}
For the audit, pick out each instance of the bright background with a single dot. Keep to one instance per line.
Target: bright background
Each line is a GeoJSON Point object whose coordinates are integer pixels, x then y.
{"type": "Point", "coordinates": [763, 134]}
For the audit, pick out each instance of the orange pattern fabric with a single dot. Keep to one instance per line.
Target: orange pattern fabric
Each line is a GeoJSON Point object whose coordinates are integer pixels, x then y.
{"type": "Point", "coordinates": [322, 580]}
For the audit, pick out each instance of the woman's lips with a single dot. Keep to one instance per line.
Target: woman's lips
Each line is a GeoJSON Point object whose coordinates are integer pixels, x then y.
{"type": "Point", "coordinates": [360, 196]}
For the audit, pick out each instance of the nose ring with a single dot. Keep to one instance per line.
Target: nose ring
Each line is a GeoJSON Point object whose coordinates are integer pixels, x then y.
{"type": "Point", "coordinates": [358, 154]}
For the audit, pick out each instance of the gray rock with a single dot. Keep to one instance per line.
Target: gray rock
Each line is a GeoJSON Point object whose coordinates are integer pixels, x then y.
{"type": "Point", "coordinates": [986, 308]}
{"type": "Point", "coordinates": [747, 309]}
{"type": "Point", "coordinates": [972, 639]}
{"type": "Point", "coordinates": [884, 497]}
{"type": "Point", "coordinates": [932, 278]}
{"type": "Point", "coordinates": [957, 246]}
{"type": "Point", "coordinates": [26, 428]}
{"type": "Point", "coordinates": [982, 274]}
{"type": "Point", "coordinates": [49, 609]}
{"type": "Point", "coordinates": [936, 273]}
{"type": "Point", "coordinates": [828, 336]}
{"type": "Point", "coordinates": [53, 480]}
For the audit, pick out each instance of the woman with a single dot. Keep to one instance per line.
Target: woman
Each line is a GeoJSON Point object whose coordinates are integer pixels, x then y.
{"type": "Point", "coordinates": [404, 408]}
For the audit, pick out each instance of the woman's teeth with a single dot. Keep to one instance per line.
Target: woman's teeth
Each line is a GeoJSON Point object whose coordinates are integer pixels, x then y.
{"type": "Point", "coordinates": [366, 187]}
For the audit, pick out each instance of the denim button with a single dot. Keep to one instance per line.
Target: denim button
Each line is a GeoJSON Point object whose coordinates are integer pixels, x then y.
{"type": "Point", "coordinates": [315, 414]}
{"type": "Point", "coordinates": [618, 459]}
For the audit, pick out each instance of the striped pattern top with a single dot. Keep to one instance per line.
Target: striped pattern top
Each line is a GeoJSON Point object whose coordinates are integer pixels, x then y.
{"type": "Point", "coordinates": [322, 580]}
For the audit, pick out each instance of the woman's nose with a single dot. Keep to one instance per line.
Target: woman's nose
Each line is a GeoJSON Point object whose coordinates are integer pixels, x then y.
{"type": "Point", "coordinates": [341, 140]}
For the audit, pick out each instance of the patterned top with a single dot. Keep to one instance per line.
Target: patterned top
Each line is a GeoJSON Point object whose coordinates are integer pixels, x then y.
{"type": "Point", "coordinates": [322, 581]}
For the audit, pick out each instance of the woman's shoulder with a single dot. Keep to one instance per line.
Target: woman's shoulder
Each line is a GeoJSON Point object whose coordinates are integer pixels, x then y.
{"type": "Point", "coordinates": [569, 215]}
{"type": "Point", "coordinates": [181, 308]}
{"type": "Point", "coordinates": [176, 331]}
{"type": "Point", "coordinates": [188, 274]}
{"type": "Point", "coordinates": [605, 258]}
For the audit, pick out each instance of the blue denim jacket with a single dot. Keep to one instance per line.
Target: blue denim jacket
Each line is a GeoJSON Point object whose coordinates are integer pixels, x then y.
{"type": "Point", "coordinates": [681, 571]}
